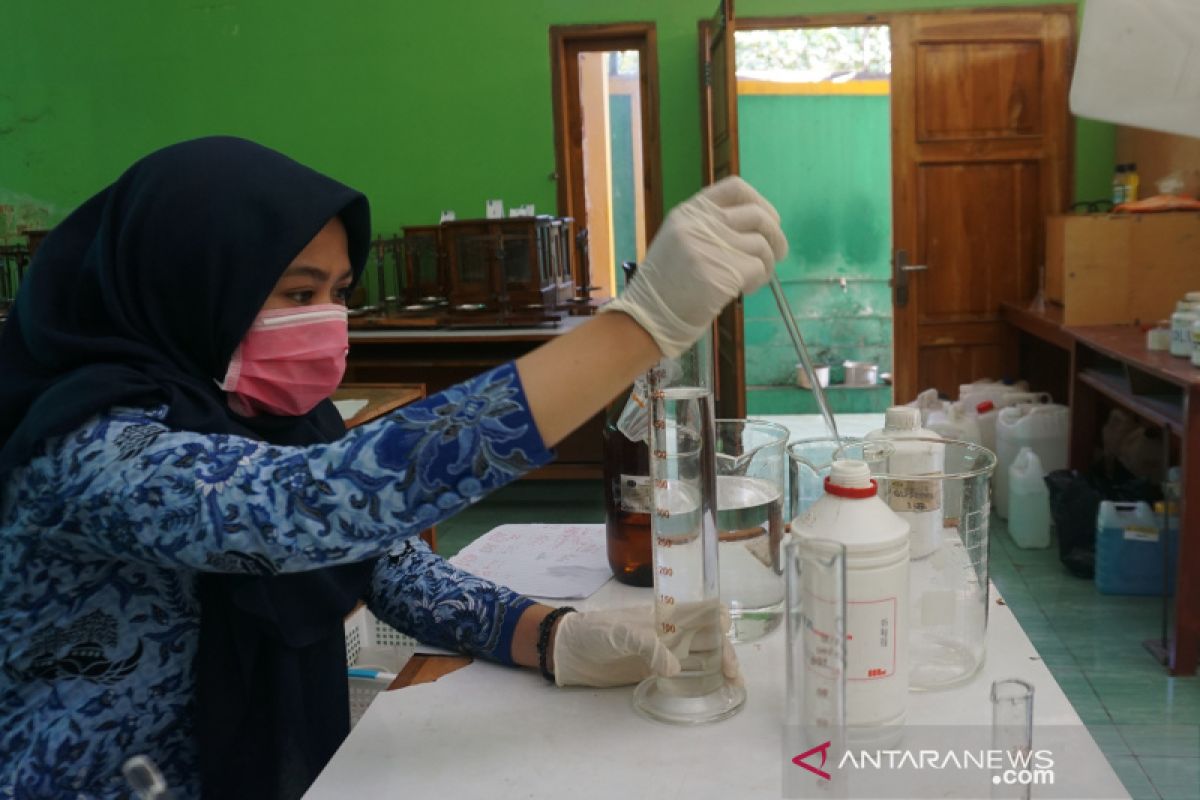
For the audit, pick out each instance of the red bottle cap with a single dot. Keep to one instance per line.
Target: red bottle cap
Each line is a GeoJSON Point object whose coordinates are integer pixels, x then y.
{"type": "Point", "coordinates": [851, 479]}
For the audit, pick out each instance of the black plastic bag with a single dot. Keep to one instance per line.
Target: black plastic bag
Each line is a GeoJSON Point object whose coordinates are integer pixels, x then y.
{"type": "Point", "coordinates": [1075, 499]}
{"type": "Point", "coordinates": [1074, 503]}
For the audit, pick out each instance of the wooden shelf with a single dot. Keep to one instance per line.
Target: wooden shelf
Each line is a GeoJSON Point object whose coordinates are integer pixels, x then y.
{"type": "Point", "coordinates": [1162, 410]}
{"type": "Point", "coordinates": [1046, 324]}
{"type": "Point", "coordinates": [1111, 363]}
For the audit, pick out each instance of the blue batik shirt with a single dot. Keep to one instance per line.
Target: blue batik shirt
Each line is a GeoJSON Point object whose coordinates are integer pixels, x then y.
{"type": "Point", "coordinates": [104, 533]}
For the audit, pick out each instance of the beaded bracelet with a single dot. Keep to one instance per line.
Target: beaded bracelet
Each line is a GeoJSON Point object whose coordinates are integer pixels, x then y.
{"type": "Point", "coordinates": [543, 640]}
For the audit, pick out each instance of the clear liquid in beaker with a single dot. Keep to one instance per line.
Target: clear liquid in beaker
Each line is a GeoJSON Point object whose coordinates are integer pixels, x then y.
{"type": "Point", "coordinates": [687, 594]}
{"type": "Point", "coordinates": [750, 522]}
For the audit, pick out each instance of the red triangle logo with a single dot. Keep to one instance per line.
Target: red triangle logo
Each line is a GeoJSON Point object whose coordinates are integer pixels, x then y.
{"type": "Point", "coordinates": [823, 749]}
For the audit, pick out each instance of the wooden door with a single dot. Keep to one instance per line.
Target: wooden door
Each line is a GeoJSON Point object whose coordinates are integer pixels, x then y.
{"type": "Point", "coordinates": [981, 151]}
{"type": "Point", "coordinates": [567, 42]}
{"type": "Point", "coordinates": [718, 104]}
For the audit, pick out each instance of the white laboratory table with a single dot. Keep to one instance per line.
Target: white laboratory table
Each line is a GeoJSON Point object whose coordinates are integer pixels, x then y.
{"type": "Point", "coordinates": [488, 731]}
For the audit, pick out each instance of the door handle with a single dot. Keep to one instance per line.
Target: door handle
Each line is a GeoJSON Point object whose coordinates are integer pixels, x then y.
{"type": "Point", "coordinates": [900, 270]}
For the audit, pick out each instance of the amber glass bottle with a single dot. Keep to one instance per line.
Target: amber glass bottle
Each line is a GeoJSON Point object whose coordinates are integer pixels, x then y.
{"type": "Point", "coordinates": [628, 499]}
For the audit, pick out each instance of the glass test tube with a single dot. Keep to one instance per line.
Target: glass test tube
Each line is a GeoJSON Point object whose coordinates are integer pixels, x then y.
{"type": "Point", "coordinates": [686, 578]}
{"type": "Point", "coordinates": [1012, 734]}
{"type": "Point", "coordinates": [815, 577]}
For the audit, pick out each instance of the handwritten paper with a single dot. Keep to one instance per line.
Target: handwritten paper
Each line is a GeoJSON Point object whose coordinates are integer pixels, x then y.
{"type": "Point", "coordinates": [560, 562]}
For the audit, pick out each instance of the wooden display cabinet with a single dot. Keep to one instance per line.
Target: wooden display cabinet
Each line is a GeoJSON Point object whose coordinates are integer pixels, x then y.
{"type": "Point", "coordinates": [515, 264]}
{"type": "Point", "coordinates": [425, 278]}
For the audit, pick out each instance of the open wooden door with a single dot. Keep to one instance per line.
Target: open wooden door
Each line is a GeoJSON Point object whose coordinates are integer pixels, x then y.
{"type": "Point", "coordinates": [981, 154]}
{"type": "Point", "coordinates": [718, 125]}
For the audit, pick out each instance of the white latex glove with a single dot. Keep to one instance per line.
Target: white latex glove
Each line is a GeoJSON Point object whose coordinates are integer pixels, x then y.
{"type": "Point", "coordinates": [619, 647]}
{"type": "Point", "coordinates": [722, 242]}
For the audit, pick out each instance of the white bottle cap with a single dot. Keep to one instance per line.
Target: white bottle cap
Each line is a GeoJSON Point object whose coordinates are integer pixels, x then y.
{"type": "Point", "coordinates": [853, 475]}
{"type": "Point", "coordinates": [902, 418]}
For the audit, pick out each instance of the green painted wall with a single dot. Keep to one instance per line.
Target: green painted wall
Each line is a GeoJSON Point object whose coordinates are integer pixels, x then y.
{"type": "Point", "coordinates": [423, 106]}
{"type": "Point", "coordinates": [825, 163]}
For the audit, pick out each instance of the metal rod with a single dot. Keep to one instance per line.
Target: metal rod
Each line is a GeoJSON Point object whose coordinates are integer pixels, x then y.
{"type": "Point", "coordinates": [789, 321]}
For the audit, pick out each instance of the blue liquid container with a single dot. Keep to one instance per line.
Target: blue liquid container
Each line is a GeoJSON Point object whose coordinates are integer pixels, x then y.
{"type": "Point", "coordinates": [1129, 549]}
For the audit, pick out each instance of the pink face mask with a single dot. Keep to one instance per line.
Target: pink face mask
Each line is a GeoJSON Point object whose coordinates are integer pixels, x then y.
{"type": "Point", "coordinates": [290, 360]}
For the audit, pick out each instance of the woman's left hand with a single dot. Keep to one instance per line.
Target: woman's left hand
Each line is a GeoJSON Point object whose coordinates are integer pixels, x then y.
{"type": "Point", "coordinates": [619, 646]}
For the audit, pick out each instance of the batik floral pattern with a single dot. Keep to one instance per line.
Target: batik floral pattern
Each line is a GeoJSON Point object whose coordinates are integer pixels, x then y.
{"type": "Point", "coordinates": [104, 532]}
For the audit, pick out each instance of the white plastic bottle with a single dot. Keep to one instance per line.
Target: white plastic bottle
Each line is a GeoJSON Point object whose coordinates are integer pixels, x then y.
{"type": "Point", "coordinates": [1181, 325]}
{"type": "Point", "coordinates": [877, 605]}
{"type": "Point", "coordinates": [1028, 501]}
{"type": "Point", "coordinates": [1043, 428]}
{"type": "Point", "coordinates": [1196, 343]}
{"type": "Point", "coordinates": [918, 502]}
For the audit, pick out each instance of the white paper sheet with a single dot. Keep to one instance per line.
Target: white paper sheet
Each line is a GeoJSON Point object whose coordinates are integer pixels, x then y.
{"type": "Point", "coordinates": [557, 562]}
{"type": "Point", "coordinates": [348, 408]}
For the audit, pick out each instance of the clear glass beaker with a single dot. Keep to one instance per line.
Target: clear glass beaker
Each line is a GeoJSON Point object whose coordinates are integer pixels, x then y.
{"type": "Point", "coordinates": [687, 593]}
{"type": "Point", "coordinates": [1012, 733]}
{"type": "Point", "coordinates": [948, 586]}
{"type": "Point", "coordinates": [815, 575]}
{"type": "Point", "coordinates": [750, 491]}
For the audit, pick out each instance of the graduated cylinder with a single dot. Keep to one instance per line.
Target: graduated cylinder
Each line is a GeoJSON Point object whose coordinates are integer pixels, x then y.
{"type": "Point", "coordinates": [687, 588]}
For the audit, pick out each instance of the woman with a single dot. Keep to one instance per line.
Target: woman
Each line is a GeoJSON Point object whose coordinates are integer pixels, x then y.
{"type": "Point", "coordinates": [184, 521]}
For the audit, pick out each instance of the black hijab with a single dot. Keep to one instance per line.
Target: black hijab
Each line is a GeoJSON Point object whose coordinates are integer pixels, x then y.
{"type": "Point", "coordinates": [139, 298]}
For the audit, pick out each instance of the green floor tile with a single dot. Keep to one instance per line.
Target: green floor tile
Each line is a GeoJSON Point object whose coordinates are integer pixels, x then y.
{"type": "Point", "coordinates": [1135, 779]}
{"type": "Point", "coordinates": [1085, 701]}
{"type": "Point", "coordinates": [1173, 741]}
{"type": "Point", "coordinates": [1110, 740]}
{"type": "Point", "coordinates": [1173, 776]}
{"type": "Point", "coordinates": [1133, 706]}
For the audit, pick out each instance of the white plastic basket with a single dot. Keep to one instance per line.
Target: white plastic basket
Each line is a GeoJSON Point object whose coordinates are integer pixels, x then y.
{"type": "Point", "coordinates": [373, 644]}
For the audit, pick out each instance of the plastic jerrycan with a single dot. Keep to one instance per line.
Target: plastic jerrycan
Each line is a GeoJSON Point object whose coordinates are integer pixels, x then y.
{"type": "Point", "coordinates": [957, 422]}
{"type": "Point", "coordinates": [975, 393]}
{"type": "Point", "coordinates": [1042, 428]}
{"type": "Point", "coordinates": [985, 417]}
{"type": "Point", "coordinates": [1029, 501]}
{"type": "Point", "coordinates": [916, 458]}
{"type": "Point", "coordinates": [877, 605]}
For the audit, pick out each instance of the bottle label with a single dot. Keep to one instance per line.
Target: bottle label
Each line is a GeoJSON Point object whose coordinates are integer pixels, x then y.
{"type": "Point", "coordinates": [870, 639]}
{"type": "Point", "coordinates": [1141, 533]}
{"type": "Point", "coordinates": [915, 495]}
{"type": "Point", "coordinates": [635, 494]}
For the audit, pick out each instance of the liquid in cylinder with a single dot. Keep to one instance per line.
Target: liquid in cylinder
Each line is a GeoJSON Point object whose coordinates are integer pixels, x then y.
{"type": "Point", "coordinates": [686, 582]}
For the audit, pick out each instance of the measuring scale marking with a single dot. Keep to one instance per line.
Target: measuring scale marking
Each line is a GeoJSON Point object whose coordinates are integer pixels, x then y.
{"type": "Point", "coordinates": [687, 610]}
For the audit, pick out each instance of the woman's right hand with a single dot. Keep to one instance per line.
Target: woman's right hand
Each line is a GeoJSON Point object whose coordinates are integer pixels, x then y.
{"type": "Point", "coordinates": [721, 242]}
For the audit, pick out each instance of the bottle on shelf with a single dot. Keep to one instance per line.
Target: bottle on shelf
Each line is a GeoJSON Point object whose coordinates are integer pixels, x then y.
{"type": "Point", "coordinates": [1187, 311]}
{"type": "Point", "coordinates": [1118, 185]}
{"type": "Point", "coordinates": [1131, 182]}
